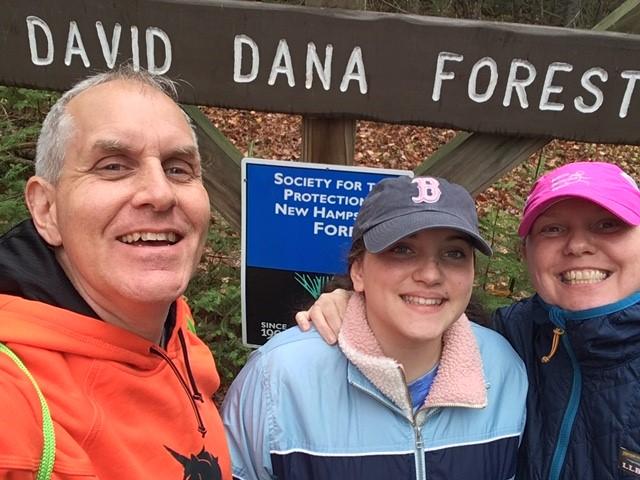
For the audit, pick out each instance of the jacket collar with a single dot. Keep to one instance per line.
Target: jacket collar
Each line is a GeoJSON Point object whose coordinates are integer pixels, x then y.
{"type": "Point", "coordinates": [30, 270]}
{"type": "Point", "coordinates": [600, 337]}
{"type": "Point", "coordinates": [460, 380]}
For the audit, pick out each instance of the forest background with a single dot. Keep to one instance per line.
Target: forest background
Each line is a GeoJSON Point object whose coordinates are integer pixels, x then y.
{"type": "Point", "coordinates": [214, 294]}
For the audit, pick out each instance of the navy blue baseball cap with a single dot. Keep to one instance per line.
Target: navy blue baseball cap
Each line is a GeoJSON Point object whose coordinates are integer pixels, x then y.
{"type": "Point", "coordinates": [401, 206]}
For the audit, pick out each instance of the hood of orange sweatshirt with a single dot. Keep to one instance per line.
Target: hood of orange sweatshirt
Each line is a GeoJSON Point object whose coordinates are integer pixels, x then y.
{"type": "Point", "coordinates": [36, 324]}
{"type": "Point", "coordinates": [31, 272]}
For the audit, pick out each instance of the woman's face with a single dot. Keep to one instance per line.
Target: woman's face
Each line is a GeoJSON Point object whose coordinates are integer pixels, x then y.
{"type": "Point", "coordinates": [416, 288]}
{"type": "Point", "coordinates": [581, 256]}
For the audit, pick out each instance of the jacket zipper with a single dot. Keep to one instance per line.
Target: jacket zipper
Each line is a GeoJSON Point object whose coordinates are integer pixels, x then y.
{"type": "Point", "coordinates": [562, 444]}
{"type": "Point", "coordinates": [190, 395]}
{"type": "Point", "coordinates": [420, 467]}
{"type": "Point", "coordinates": [417, 432]}
{"type": "Point", "coordinates": [421, 473]}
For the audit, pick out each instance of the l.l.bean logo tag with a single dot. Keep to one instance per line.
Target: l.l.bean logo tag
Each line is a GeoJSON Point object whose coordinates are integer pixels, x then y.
{"type": "Point", "coordinates": [629, 462]}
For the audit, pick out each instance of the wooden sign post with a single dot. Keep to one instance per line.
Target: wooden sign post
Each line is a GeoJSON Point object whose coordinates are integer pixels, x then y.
{"type": "Point", "coordinates": [502, 80]}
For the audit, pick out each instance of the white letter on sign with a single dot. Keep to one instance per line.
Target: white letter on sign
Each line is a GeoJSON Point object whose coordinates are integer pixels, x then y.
{"type": "Point", "coordinates": [519, 84]}
{"type": "Point", "coordinates": [472, 87]}
{"type": "Point", "coordinates": [441, 74]}
{"type": "Point", "coordinates": [550, 88]}
{"type": "Point", "coordinates": [324, 72]}
{"type": "Point", "coordinates": [632, 76]}
{"type": "Point", "coordinates": [32, 22]}
{"type": "Point", "coordinates": [75, 45]}
{"type": "Point", "coordinates": [109, 54]}
{"type": "Point", "coordinates": [355, 63]}
{"type": "Point", "coordinates": [238, 43]}
{"type": "Point", "coordinates": [277, 67]}
{"type": "Point", "coordinates": [150, 35]}
{"type": "Point", "coordinates": [579, 103]}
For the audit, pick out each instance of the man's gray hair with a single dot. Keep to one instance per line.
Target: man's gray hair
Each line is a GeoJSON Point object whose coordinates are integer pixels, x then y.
{"type": "Point", "coordinates": [57, 127]}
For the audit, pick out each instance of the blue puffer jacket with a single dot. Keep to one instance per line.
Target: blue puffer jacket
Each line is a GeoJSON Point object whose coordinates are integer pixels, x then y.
{"type": "Point", "coordinates": [583, 406]}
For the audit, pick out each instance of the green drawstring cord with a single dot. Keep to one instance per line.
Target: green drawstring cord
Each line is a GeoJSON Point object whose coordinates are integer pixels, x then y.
{"type": "Point", "coordinates": [49, 448]}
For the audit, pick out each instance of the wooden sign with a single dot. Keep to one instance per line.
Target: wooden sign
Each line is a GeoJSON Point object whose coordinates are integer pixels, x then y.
{"type": "Point", "coordinates": [478, 76]}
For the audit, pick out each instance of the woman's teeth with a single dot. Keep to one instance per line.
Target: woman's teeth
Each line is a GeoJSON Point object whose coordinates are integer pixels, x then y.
{"type": "Point", "coordinates": [421, 300]}
{"type": "Point", "coordinates": [583, 276]}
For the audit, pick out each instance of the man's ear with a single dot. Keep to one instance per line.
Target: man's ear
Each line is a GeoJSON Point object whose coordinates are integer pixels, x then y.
{"type": "Point", "coordinates": [356, 274]}
{"type": "Point", "coordinates": [40, 197]}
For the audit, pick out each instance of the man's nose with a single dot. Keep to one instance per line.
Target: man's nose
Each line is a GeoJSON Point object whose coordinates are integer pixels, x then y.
{"type": "Point", "coordinates": [153, 188]}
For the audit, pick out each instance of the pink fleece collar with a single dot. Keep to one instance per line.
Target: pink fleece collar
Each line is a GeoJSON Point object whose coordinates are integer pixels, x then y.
{"type": "Point", "coordinates": [460, 379]}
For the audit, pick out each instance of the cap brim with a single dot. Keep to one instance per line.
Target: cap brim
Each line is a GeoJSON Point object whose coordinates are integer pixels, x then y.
{"type": "Point", "coordinates": [384, 235]}
{"type": "Point", "coordinates": [621, 211]}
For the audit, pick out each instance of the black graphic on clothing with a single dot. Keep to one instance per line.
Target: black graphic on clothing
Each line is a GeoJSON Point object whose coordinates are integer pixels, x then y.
{"type": "Point", "coordinates": [202, 466]}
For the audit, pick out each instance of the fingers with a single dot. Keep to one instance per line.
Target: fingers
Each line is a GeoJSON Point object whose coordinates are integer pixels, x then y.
{"type": "Point", "coordinates": [318, 316]}
{"type": "Point", "coordinates": [303, 320]}
{"type": "Point", "coordinates": [326, 314]}
{"type": "Point", "coordinates": [334, 306]}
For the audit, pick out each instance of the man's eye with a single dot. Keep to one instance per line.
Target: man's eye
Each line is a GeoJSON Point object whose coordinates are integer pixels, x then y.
{"type": "Point", "coordinates": [176, 171]}
{"type": "Point", "coordinates": [113, 167]}
{"type": "Point", "coordinates": [180, 170]}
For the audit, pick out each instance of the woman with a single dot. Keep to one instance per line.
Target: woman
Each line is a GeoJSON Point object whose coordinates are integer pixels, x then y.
{"type": "Point", "coordinates": [579, 336]}
{"type": "Point", "coordinates": [415, 389]}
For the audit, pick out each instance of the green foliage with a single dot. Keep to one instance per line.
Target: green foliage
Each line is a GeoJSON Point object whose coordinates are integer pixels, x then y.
{"type": "Point", "coordinates": [503, 278]}
{"type": "Point", "coordinates": [502, 275]}
{"type": "Point", "coordinates": [560, 13]}
{"type": "Point", "coordinates": [12, 207]}
{"type": "Point", "coordinates": [21, 114]}
{"type": "Point", "coordinates": [214, 298]}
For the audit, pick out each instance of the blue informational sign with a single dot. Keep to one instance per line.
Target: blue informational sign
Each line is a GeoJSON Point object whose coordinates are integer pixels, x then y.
{"type": "Point", "coordinates": [299, 216]}
{"type": "Point", "coordinates": [296, 233]}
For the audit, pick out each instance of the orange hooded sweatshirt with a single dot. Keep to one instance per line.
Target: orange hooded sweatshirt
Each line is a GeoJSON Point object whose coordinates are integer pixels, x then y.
{"type": "Point", "coordinates": [122, 407]}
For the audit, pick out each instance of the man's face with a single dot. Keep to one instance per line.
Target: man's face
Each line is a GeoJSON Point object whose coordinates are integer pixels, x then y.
{"type": "Point", "coordinates": [130, 210]}
{"type": "Point", "coordinates": [581, 256]}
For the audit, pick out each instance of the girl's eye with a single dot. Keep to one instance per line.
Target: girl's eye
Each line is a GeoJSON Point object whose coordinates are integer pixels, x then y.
{"type": "Point", "coordinates": [455, 254]}
{"type": "Point", "coordinates": [400, 250]}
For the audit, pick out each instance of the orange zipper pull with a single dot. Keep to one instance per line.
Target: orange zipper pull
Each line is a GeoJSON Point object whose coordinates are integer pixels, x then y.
{"type": "Point", "coordinates": [557, 332]}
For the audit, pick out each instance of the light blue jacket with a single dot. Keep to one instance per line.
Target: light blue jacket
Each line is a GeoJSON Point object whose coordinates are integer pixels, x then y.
{"type": "Point", "coordinates": [301, 409]}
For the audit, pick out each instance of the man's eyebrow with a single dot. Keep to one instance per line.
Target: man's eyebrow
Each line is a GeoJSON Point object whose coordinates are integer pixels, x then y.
{"type": "Point", "coordinates": [111, 145]}
{"type": "Point", "coordinates": [117, 146]}
{"type": "Point", "coordinates": [184, 151]}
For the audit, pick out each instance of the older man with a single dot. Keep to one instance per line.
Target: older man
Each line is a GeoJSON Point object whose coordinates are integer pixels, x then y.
{"type": "Point", "coordinates": [100, 374]}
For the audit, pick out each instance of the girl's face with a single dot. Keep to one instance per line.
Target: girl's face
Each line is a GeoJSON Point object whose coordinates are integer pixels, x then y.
{"type": "Point", "coordinates": [416, 288]}
{"type": "Point", "coordinates": [581, 256]}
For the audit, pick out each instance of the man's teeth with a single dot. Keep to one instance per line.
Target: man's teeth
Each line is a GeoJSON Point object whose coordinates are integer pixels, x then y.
{"type": "Point", "coordinates": [169, 237]}
{"type": "Point", "coordinates": [583, 276]}
{"type": "Point", "coordinates": [421, 300]}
